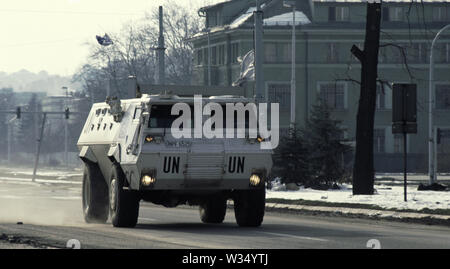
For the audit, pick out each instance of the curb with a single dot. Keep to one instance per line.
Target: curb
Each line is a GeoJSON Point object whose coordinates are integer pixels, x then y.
{"type": "Point", "coordinates": [362, 213]}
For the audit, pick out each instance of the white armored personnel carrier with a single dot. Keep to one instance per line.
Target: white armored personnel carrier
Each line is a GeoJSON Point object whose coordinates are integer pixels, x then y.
{"type": "Point", "coordinates": [130, 155]}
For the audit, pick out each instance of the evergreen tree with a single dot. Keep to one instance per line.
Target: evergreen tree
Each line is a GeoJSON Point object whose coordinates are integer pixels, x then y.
{"type": "Point", "coordinates": [326, 150]}
{"type": "Point", "coordinates": [291, 162]}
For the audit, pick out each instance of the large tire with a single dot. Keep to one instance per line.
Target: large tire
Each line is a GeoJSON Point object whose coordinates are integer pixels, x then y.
{"type": "Point", "coordinates": [123, 204]}
{"type": "Point", "coordinates": [249, 207]}
{"type": "Point", "coordinates": [213, 210]}
{"type": "Point", "coordinates": [94, 195]}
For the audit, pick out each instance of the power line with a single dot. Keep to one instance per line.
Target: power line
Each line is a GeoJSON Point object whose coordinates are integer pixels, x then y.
{"type": "Point", "coordinates": [38, 43]}
{"type": "Point", "coordinates": [67, 12]}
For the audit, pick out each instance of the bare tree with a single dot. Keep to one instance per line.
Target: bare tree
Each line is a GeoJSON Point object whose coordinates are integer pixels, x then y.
{"type": "Point", "coordinates": [363, 171]}
{"type": "Point", "coordinates": [133, 53]}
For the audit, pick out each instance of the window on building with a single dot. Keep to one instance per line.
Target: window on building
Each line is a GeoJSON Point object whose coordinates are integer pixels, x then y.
{"type": "Point", "coordinates": [447, 53]}
{"type": "Point", "coordinates": [442, 96]}
{"type": "Point", "coordinates": [214, 55]}
{"type": "Point", "coordinates": [285, 52]}
{"type": "Point", "coordinates": [332, 53]}
{"type": "Point", "coordinates": [419, 53]}
{"type": "Point", "coordinates": [444, 146]}
{"type": "Point", "coordinates": [332, 94]}
{"type": "Point", "coordinates": [382, 56]}
{"type": "Point", "coordinates": [443, 52]}
{"type": "Point", "coordinates": [397, 53]}
{"type": "Point", "coordinates": [234, 52]}
{"type": "Point", "coordinates": [381, 97]}
{"type": "Point", "coordinates": [342, 13]}
{"type": "Point", "coordinates": [280, 93]}
{"type": "Point", "coordinates": [398, 143]}
{"type": "Point", "coordinates": [440, 14]}
{"type": "Point", "coordinates": [199, 57]}
{"type": "Point", "coordinates": [331, 13]}
{"type": "Point", "coordinates": [396, 14]}
{"type": "Point", "coordinates": [221, 56]}
{"type": "Point", "coordinates": [379, 139]}
{"type": "Point", "coordinates": [339, 13]}
{"type": "Point", "coordinates": [270, 52]}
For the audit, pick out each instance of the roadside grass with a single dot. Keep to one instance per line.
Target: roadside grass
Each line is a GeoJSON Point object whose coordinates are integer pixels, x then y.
{"type": "Point", "coordinates": [356, 205]}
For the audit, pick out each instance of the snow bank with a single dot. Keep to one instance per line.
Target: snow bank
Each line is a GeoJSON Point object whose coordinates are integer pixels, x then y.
{"type": "Point", "coordinates": [386, 197]}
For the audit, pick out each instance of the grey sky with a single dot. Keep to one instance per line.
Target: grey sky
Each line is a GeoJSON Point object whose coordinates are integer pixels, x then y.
{"type": "Point", "coordinates": [50, 34]}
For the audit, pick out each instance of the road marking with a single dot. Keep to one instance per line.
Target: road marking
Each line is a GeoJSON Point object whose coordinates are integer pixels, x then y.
{"type": "Point", "coordinates": [54, 181]}
{"type": "Point", "coordinates": [297, 236]}
{"type": "Point", "coordinates": [147, 219]}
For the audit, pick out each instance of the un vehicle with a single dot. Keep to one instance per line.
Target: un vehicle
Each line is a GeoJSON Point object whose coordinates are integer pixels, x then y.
{"type": "Point", "coordinates": [130, 154]}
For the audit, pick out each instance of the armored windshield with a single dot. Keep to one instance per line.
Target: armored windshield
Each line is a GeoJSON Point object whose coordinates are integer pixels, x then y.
{"type": "Point", "coordinates": [160, 117]}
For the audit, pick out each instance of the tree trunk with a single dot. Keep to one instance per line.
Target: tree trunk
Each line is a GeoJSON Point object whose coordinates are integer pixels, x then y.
{"type": "Point", "coordinates": [363, 170]}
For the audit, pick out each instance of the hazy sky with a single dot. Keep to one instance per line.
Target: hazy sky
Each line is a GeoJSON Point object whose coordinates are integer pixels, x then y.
{"type": "Point", "coordinates": [49, 34]}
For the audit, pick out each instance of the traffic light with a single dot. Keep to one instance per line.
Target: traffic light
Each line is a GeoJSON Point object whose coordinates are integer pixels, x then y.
{"type": "Point", "coordinates": [67, 112]}
{"type": "Point", "coordinates": [18, 112]}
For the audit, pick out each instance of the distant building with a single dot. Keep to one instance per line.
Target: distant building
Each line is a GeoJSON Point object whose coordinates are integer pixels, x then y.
{"type": "Point", "coordinates": [23, 98]}
{"type": "Point", "coordinates": [325, 33]}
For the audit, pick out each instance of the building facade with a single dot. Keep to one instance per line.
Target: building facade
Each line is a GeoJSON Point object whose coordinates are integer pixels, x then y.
{"type": "Point", "coordinates": [326, 70]}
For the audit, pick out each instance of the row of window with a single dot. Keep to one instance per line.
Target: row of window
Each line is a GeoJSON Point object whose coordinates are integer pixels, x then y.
{"type": "Point", "coordinates": [399, 53]}
{"type": "Point", "coordinates": [217, 55]}
{"type": "Point", "coordinates": [393, 14]}
{"type": "Point", "coordinates": [380, 136]}
{"type": "Point", "coordinates": [334, 95]}
{"type": "Point", "coordinates": [282, 53]}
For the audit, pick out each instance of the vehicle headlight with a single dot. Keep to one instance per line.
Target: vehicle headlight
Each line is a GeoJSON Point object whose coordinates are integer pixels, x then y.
{"type": "Point", "coordinates": [255, 180]}
{"type": "Point", "coordinates": [149, 138]}
{"type": "Point", "coordinates": [156, 139]}
{"type": "Point", "coordinates": [147, 180]}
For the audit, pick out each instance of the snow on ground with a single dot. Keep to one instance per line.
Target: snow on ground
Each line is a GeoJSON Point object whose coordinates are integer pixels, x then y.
{"type": "Point", "coordinates": [386, 197]}
{"type": "Point", "coordinates": [26, 172]}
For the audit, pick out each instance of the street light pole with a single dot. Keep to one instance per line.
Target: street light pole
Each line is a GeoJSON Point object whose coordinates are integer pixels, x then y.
{"type": "Point", "coordinates": [259, 79]}
{"type": "Point", "coordinates": [432, 171]}
{"type": "Point", "coordinates": [209, 59]}
{"type": "Point", "coordinates": [293, 89]}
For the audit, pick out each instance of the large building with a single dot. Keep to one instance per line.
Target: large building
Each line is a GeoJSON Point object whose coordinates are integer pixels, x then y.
{"type": "Point", "coordinates": [326, 70]}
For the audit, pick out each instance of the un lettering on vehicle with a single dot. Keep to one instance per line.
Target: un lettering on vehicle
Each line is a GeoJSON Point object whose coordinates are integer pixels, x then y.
{"type": "Point", "coordinates": [171, 164]}
{"type": "Point", "coordinates": [236, 164]}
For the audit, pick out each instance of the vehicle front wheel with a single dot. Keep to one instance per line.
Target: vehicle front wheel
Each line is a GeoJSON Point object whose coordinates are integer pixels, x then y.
{"type": "Point", "coordinates": [94, 195]}
{"type": "Point", "coordinates": [123, 204]}
{"type": "Point", "coordinates": [249, 207]}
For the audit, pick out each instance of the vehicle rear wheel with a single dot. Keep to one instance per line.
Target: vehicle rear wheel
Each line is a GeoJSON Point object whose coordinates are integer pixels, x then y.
{"type": "Point", "coordinates": [94, 195]}
{"type": "Point", "coordinates": [249, 207]}
{"type": "Point", "coordinates": [123, 204]}
{"type": "Point", "coordinates": [213, 210]}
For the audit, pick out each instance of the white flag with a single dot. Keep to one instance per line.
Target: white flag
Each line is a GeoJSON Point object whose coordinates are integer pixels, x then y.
{"type": "Point", "coordinates": [247, 72]}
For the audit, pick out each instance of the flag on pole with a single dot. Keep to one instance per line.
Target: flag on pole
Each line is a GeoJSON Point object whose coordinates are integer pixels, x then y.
{"type": "Point", "coordinates": [247, 72]}
{"type": "Point", "coordinates": [105, 40]}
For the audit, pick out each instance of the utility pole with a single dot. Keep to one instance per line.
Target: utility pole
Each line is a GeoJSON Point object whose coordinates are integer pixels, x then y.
{"type": "Point", "coordinates": [209, 58]}
{"type": "Point", "coordinates": [66, 131]}
{"type": "Point", "coordinates": [432, 156]}
{"type": "Point", "coordinates": [161, 49]}
{"type": "Point", "coordinates": [259, 79]}
{"type": "Point", "coordinates": [293, 89]}
{"type": "Point", "coordinates": [36, 161]}
{"type": "Point", "coordinates": [10, 140]}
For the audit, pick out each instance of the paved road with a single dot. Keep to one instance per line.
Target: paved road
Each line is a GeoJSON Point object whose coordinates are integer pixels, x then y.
{"type": "Point", "coordinates": [51, 215]}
